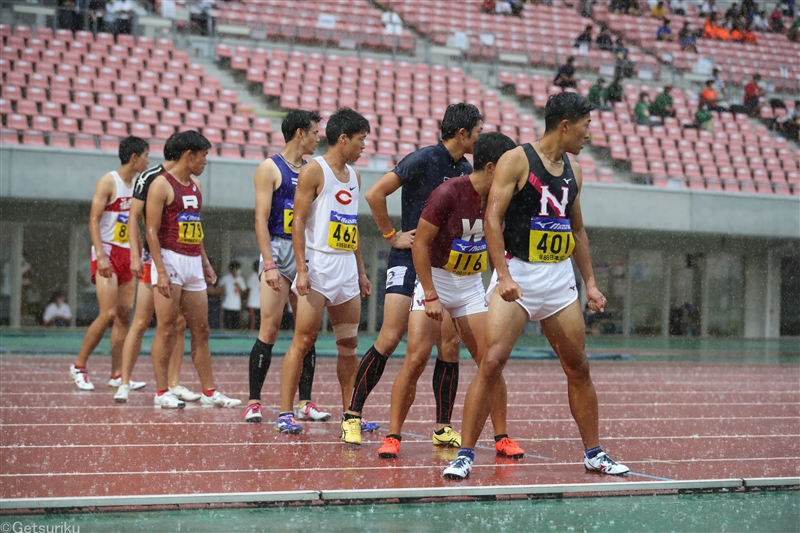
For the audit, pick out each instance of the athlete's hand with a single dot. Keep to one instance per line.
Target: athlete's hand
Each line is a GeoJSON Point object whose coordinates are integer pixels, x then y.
{"type": "Point", "coordinates": [208, 274]}
{"type": "Point", "coordinates": [273, 278]}
{"type": "Point", "coordinates": [163, 284]}
{"type": "Point", "coordinates": [136, 265]}
{"type": "Point", "coordinates": [403, 239]}
{"type": "Point", "coordinates": [303, 283]}
{"type": "Point", "coordinates": [509, 290]}
{"type": "Point", "coordinates": [597, 302]}
{"type": "Point", "coordinates": [434, 310]}
{"type": "Point", "coordinates": [104, 267]}
{"type": "Point", "coordinates": [365, 285]}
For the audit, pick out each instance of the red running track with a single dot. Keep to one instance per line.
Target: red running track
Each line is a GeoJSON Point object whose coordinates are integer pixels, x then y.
{"type": "Point", "coordinates": [667, 421]}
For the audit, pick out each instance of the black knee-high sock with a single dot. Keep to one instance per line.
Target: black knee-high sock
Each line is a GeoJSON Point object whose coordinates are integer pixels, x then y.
{"type": "Point", "coordinates": [307, 377]}
{"type": "Point", "coordinates": [260, 358]}
{"type": "Point", "coordinates": [369, 374]}
{"type": "Point", "coordinates": [445, 388]}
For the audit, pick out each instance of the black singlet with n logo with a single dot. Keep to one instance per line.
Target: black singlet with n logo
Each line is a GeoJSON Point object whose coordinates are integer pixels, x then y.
{"type": "Point", "coordinates": [537, 221]}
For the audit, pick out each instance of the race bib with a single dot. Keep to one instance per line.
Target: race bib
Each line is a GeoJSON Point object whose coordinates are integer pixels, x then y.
{"type": "Point", "coordinates": [288, 216]}
{"type": "Point", "coordinates": [190, 229]}
{"type": "Point", "coordinates": [343, 232]}
{"type": "Point", "coordinates": [551, 240]}
{"type": "Point", "coordinates": [121, 229]}
{"type": "Point", "coordinates": [467, 258]}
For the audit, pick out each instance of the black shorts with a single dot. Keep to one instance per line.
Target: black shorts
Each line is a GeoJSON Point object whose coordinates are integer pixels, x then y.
{"type": "Point", "coordinates": [400, 274]}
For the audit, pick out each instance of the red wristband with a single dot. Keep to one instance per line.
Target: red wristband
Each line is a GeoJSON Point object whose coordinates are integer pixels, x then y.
{"type": "Point", "coordinates": [432, 299]}
{"type": "Point", "coordinates": [270, 267]}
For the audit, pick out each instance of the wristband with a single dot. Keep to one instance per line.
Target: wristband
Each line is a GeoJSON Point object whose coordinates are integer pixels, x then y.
{"type": "Point", "coordinates": [390, 234]}
{"type": "Point", "coordinates": [270, 267]}
{"type": "Point", "coordinates": [432, 299]}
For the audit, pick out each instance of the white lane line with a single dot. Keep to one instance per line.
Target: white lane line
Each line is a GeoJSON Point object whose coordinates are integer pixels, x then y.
{"type": "Point", "coordinates": [339, 442]}
{"type": "Point", "coordinates": [371, 468]}
{"type": "Point", "coordinates": [386, 405]}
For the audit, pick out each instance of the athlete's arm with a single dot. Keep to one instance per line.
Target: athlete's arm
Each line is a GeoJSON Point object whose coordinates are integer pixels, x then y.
{"type": "Point", "coordinates": [103, 194]}
{"type": "Point", "coordinates": [426, 232]}
{"type": "Point", "coordinates": [376, 198]}
{"type": "Point", "coordinates": [157, 198]}
{"type": "Point", "coordinates": [266, 180]}
{"type": "Point", "coordinates": [581, 254]}
{"type": "Point", "coordinates": [309, 184]}
{"type": "Point", "coordinates": [363, 281]}
{"type": "Point", "coordinates": [134, 236]}
{"type": "Point", "coordinates": [208, 271]}
{"type": "Point", "coordinates": [508, 179]}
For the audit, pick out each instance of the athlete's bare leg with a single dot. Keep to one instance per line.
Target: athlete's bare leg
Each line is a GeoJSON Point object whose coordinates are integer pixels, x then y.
{"type": "Point", "coordinates": [272, 305]}
{"type": "Point", "coordinates": [194, 305]}
{"type": "Point", "coordinates": [119, 329]}
{"type": "Point", "coordinates": [108, 298]}
{"type": "Point", "coordinates": [306, 329]}
{"type": "Point", "coordinates": [504, 325]}
{"type": "Point", "coordinates": [345, 318]}
{"type": "Point", "coordinates": [167, 313]}
{"type": "Point", "coordinates": [176, 359]}
{"type": "Point", "coordinates": [395, 323]}
{"type": "Point", "coordinates": [566, 332]}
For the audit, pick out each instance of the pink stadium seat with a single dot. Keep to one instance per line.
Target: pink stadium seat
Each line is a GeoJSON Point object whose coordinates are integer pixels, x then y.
{"type": "Point", "coordinates": [17, 122]}
{"type": "Point", "coordinates": [194, 121]}
{"type": "Point", "coordinates": [213, 135]}
{"type": "Point", "coordinates": [171, 118]}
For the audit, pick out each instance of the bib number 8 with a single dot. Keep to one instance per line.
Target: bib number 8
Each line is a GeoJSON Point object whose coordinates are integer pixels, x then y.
{"type": "Point", "coordinates": [121, 230]}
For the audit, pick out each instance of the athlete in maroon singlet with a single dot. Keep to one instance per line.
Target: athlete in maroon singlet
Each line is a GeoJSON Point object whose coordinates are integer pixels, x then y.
{"type": "Point", "coordinates": [449, 253]}
{"type": "Point", "coordinates": [181, 269]}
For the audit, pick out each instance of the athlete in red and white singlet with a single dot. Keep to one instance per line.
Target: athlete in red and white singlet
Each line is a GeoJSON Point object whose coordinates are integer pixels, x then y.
{"type": "Point", "coordinates": [449, 253]}
{"type": "Point", "coordinates": [111, 273]}
{"type": "Point", "coordinates": [181, 270]}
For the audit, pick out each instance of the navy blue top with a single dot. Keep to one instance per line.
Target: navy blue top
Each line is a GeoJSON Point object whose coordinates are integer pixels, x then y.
{"type": "Point", "coordinates": [141, 186]}
{"type": "Point", "coordinates": [282, 200]}
{"type": "Point", "coordinates": [421, 172]}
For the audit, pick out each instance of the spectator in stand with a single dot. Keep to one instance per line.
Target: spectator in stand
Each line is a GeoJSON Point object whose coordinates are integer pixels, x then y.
{"type": "Point", "coordinates": [620, 51]}
{"type": "Point", "coordinates": [516, 7]}
{"type": "Point", "coordinates": [752, 96]}
{"type": "Point", "coordinates": [658, 11]}
{"type": "Point", "coordinates": [707, 8]}
{"type": "Point", "coordinates": [597, 95]}
{"type": "Point", "coordinates": [664, 33]}
{"type": "Point", "coordinates": [565, 77]}
{"type": "Point", "coordinates": [776, 20]}
{"type": "Point", "coordinates": [488, 7]}
{"type": "Point", "coordinates": [789, 124]}
{"type": "Point", "coordinates": [760, 22]}
{"type": "Point", "coordinates": [232, 284]}
{"type": "Point", "coordinates": [749, 8]}
{"type": "Point", "coordinates": [733, 12]}
{"type": "Point", "coordinates": [709, 97]}
{"type": "Point", "coordinates": [502, 7]}
{"type": "Point", "coordinates": [254, 297]}
{"type": "Point", "coordinates": [712, 31]}
{"type": "Point", "coordinates": [703, 118]}
{"type": "Point", "coordinates": [687, 38]}
{"type": "Point", "coordinates": [642, 113]}
{"type": "Point", "coordinates": [57, 313]}
{"type": "Point", "coordinates": [604, 40]}
{"type": "Point", "coordinates": [663, 106]}
{"type": "Point", "coordinates": [794, 30]}
{"type": "Point", "coordinates": [584, 37]}
{"type": "Point", "coordinates": [119, 17]}
{"type": "Point", "coordinates": [614, 91]}
{"type": "Point", "coordinates": [743, 35]}
{"type": "Point", "coordinates": [789, 10]}
{"type": "Point", "coordinates": [678, 7]}
{"type": "Point", "coordinates": [71, 14]}
{"type": "Point", "coordinates": [719, 87]}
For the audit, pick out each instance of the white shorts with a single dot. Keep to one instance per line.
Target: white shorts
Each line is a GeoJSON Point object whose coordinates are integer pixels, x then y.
{"type": "Point", "coordinates": [283, 255]}
{"type": "Point", "coordinates": [459, 295]}
{"type": "Point", "coordinates": [183, 270]}
{"type": "Point", "coordinates": [334, 276]}
{"type": "Point", "coordinates": [547, 288]}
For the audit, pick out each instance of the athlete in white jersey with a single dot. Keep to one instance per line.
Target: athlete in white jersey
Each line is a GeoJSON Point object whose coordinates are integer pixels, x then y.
{"type": "Point", "coordinates": [330, 270]}
{"type": "Point", "coordinates": [108, 227]}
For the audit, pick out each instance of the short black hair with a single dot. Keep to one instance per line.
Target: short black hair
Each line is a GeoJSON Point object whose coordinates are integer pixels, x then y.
{"type": "Point", "coordinates": [174, 147]}
{"type": "Point", "coordinates": [234, 265]}
{"type": "Point", "coordinates": [193, 141]}
{"type": "Point", "coordinates": [131, 145]}
{"type": "Point", "coordinates": [298, 119]}
{"type": "Point", "coordinates": [345, 121]}
{"type": "Point", "coordinates": [566, 105]}
{"type": "Point", "coordinates": [489, 147]}
{"type": "Point", "coordinates": [457, 116]}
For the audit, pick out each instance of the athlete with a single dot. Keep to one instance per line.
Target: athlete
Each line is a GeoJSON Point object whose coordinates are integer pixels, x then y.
{"type": "Point", "coordinates": [418, 174]}
{"type": "Point", "coordinates": [140, 268]}
{"type": "Point", "coordinates": [533, 225]}
{"type": "Point", "coordinates": [181, 270]}
{"type": "Point", "coordinates": [449, 255]}
{"type": "Point", "coordinates": [330, 269]}
{"type": "Point", "coordinates": [275, 183]}
{"type": "Point", "coordinates": [111, 258]}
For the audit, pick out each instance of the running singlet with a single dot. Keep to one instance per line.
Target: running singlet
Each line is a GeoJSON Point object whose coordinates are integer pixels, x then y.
{"type": "Point", "coordinates": [455, 207]}
{"type": "Point", "coordinates": [537, 222]}
{"type": "Point", "coordinates": [181, 228]}
{"type": "Point", "coordinates": [282, 212]}
{"type": "Point", "coordinates": [114, 220]}
{"type": "Point", "coordinates": [333, 219]}
{"type": "Point", "coordinates": [140, 188]}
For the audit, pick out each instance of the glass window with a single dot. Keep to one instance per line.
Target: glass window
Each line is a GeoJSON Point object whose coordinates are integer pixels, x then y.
{"type": "Point", "coordinates": [725, 294]}
{"type": "Point", "coordinates": [648, 281]}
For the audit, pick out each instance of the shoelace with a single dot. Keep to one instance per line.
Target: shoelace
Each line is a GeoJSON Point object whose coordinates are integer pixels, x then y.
{"type": "Point", "coordinates": [461, 462]}
{"type": "Point", "coordinates": [309, 406]}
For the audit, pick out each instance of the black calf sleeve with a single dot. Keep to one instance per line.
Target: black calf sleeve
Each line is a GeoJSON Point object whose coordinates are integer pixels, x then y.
{"type": "Point", "coordinates": [260, 358]}
{"type": "Point", "coordinates": [307, 377]}
{"type": "Point", "coordinates": [445, 388]}
{"type": "Point", "coordinates": [369, 374]}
